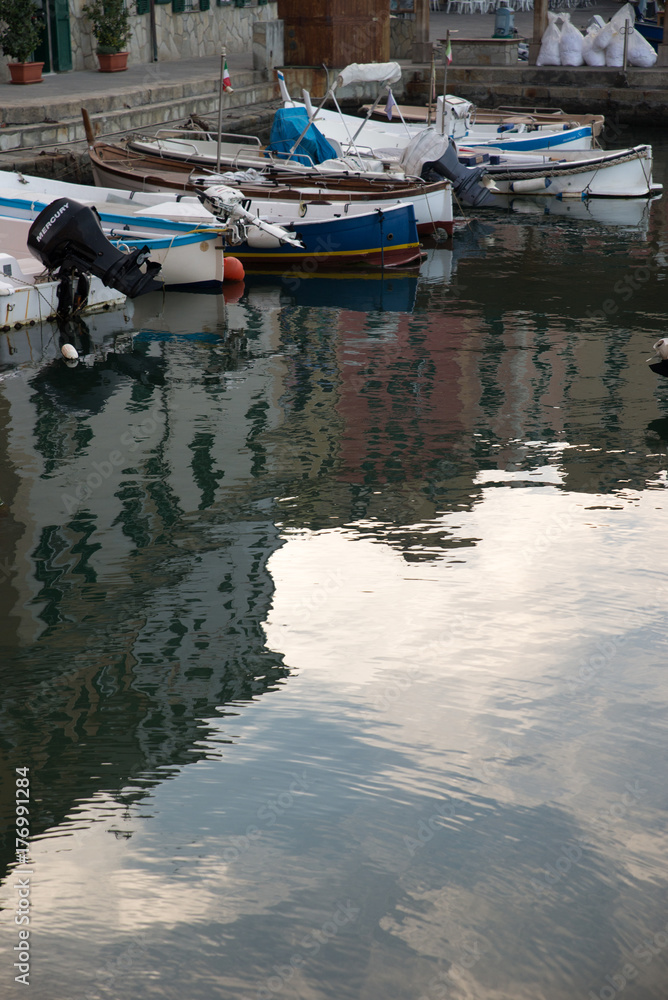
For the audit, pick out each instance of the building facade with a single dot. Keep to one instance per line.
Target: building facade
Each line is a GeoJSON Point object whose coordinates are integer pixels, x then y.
{"type": "Point", "coordinates": [162, 31]}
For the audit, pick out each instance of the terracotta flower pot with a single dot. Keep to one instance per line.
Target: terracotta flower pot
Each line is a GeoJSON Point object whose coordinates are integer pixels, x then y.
{"type": "Point", "coordinates": [112, 62]}
{"type": "Point", "coordinates": [26, 72]}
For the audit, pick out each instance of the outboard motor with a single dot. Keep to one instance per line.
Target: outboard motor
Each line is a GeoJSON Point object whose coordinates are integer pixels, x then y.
{"type": "Point", "coordinates": [472, 185]}
{"type": "Point", "coordinates": [67, 236]}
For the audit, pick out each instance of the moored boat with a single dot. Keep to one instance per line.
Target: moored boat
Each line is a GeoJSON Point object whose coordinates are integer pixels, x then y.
{"type": "Point", "coordinates": [615, 173]}
{"type": "Point", "coordinates": [188, 260]}
{"type": "Point", "coordinates": [114, 165]}
{"type": "Point", "coordinates": [377, 237]}
{"type": "Point", "coordinates": [61, 280]}
{"type": "Point", "coordinates": [511, 118]}
{"type": "Point", "coordinates": [453, 116]}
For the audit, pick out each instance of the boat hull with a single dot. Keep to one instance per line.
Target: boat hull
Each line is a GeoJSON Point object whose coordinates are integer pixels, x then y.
{"type": "Point", "coordinates": [118, 168]}
{"type": "Point", "coordinates": [191, 252]}
{"type": "Point", "coordinates": [188, 260]}
{"type": "Point", "coordinates": [625, 173]}
{"type": "Point", "coordinates": [30, 303]}
{"type": "Point", "coordinates": [382, 238]}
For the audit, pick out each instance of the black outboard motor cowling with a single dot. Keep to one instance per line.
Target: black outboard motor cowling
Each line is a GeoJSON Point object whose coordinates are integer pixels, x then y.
{"type": "Point", "coordinates": [465, 180]}
{"type": "Point", "coordinates": [68, 236]}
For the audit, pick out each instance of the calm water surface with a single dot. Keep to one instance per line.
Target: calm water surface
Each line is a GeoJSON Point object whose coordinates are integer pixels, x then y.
{"type": "Point", "coordinates": [334, 631]}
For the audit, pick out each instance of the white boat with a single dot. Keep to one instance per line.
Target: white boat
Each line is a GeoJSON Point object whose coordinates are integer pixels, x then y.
{"type": "Point", "coordinates": [556, 170]}
{"type": "Point", "coordinates": [327, 236]}
{"type": "Point", "coordinates": [29, 294]}
{"type": "Point", "coordinates": [509, 119]}
{"type": "Point", "coordinates": [281, 205]}
{"type": "Point", "coordinates": [454, 117]}
{"type": "Point", "coordinates": [571, 173]}
{"type": "Point", "coordinates": [188, 260]}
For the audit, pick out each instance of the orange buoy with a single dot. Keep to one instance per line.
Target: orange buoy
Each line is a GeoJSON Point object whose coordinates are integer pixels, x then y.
{"type": "Point", "coordinates": [233, 269]}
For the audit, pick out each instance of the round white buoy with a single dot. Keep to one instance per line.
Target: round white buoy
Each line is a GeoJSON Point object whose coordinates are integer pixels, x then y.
{"type": "Point", "coordinates": [69, 352]}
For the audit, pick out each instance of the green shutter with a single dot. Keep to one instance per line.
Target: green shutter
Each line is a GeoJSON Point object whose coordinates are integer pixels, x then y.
{"type": "Point", "coordinates": [143, 6]}
{"type": "Point", "coordinates": [178, 6]}
{"type": "Point", "coordinates": [61, 42]}
{"type": "Point", "coordinates": [204, 4]}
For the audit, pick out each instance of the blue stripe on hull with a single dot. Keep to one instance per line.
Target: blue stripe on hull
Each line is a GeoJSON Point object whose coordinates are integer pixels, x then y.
{"type": "Point", "coordinates": [545, 140]}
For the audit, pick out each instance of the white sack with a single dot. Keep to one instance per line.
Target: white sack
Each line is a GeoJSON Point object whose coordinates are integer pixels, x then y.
{"type": "Point", "coordinates": [570, 43]}
{"type": "Point", "coordinates": [614, 52]}
{"type": "Point", "coordinates": [640, 52]}
{"type": "Point", "coordinates": [604, 37]}
{"type": "Point", "coordinates": [549, 44]}
{"type": "Point", "coordinates": [591, 55]}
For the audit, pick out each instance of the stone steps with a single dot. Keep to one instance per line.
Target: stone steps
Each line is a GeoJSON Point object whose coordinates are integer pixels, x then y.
{"type": "Point", "coordinates": [41, 124]}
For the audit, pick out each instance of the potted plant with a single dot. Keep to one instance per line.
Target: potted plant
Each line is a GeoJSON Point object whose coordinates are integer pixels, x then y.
{"type": "Point", "coordinates": [111, 27]}
{"type": "Point", "coordinates": [20, 34]}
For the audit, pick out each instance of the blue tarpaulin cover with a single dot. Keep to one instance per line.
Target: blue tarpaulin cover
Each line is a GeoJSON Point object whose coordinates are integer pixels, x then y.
{"type": "Point", "coordinates": [288, 125]}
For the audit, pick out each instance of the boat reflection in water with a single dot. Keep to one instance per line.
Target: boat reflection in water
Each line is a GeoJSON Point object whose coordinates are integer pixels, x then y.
{"type": "Point", "coordinates": [631, 212]}
{"type": "Point", "coordinates": [370, 291]}
{"type": "Point", "coordinates": [182, 313]}
{"type": "Point", "coordinates": [31, 347]}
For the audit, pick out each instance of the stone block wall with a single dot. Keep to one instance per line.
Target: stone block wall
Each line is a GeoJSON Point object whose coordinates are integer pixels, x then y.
{"type": "Point", "coordinates": [402, 37]}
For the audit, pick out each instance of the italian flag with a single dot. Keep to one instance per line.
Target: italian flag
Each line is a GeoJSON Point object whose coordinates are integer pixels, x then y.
{"type": "Point", "coordinates": [448, 51]}
{"type": "Point", "coordinates": [227, 83]}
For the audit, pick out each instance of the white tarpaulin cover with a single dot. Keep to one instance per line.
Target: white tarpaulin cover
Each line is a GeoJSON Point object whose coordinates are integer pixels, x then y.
{"type": "Point", "coordinates": [388, 72]}
{"type": "Point", "coordinates": [426, 147]}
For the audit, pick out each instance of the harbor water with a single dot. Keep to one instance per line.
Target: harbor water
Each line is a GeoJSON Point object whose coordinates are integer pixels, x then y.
{"type": "Point", "coordinates": [333, 649]}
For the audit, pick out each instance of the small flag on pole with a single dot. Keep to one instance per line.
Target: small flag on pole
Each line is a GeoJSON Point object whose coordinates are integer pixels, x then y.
{"type": "Point", "coordinates": [227, 83]}
{"type": "Point", "coordinates": [448, 51]}
{"type": "Point", "coordinates": [391, 103]}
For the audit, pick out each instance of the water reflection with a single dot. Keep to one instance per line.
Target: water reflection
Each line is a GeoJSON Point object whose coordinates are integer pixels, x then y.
{"type": "Point", "coordinates": [332, 630]}
{"type": "Point", "coordinates": [369, 292]}
{"type": "Point", "coordinates": [631, 213]}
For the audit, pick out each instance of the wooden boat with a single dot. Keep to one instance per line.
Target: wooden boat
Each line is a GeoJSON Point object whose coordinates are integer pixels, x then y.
{"type": "Point", "coordinates": [115, 166]}
{"type": "Point", "coordinates": [532, 118]}
{"type": "Point", "coordinates": [377, 237]}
